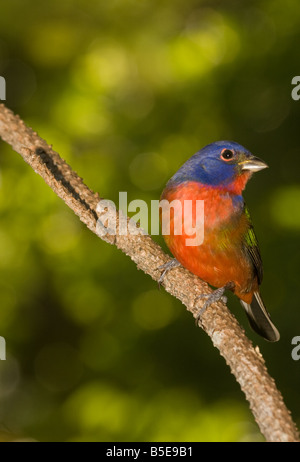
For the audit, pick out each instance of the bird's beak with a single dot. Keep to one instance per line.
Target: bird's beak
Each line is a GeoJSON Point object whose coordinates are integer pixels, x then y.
{"type": "Point", "coordinates": [253, 164]}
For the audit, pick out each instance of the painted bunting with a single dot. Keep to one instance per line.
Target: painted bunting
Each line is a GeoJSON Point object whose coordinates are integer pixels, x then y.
{"type": "Point", "coordinates": [229, 256]}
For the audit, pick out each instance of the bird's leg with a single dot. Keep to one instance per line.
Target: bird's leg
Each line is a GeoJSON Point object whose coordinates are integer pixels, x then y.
{"type": "Point", "coordinates": [166, 268]}
{"type": "Point", "coordinates": [214, 297]}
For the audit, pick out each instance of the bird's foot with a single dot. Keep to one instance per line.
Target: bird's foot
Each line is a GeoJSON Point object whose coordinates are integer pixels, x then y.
{"type": "Point", "coordinates": [166, 268]}
{"type": "Point", "coordinates": [214, 297]}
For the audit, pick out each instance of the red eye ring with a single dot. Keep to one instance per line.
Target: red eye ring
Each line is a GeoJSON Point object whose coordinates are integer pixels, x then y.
{"type": "Point", "coordinates": [227, 154]}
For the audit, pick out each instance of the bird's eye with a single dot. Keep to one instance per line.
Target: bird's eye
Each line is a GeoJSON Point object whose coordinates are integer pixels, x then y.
{"type": "Point", "coordinates": [226, 154]}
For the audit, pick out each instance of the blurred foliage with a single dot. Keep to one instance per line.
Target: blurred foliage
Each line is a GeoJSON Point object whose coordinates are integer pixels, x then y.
{"type": "Point", "coordinates": [126, 91]}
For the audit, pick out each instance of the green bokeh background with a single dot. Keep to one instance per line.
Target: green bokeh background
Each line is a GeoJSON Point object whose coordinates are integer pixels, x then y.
{"type": "Point", "coordinates": [126, 91]}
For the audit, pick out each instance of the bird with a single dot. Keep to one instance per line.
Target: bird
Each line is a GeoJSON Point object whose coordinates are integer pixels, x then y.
{"type": "Point", "coordinates": [228, 258]}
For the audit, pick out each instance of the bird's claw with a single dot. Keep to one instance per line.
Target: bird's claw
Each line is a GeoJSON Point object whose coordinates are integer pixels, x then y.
{"type": "Point", "coordinates": [211, 298]}
{"type": "Point", "coordinates": [165, 268]}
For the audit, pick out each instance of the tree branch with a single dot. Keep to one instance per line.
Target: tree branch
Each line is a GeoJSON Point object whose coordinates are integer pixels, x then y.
{"type": "Point", "coordinates": [245, 362]}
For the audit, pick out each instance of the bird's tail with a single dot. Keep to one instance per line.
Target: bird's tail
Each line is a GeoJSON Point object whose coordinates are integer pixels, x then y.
{"type": "Point", "coordinates": [259, 319]}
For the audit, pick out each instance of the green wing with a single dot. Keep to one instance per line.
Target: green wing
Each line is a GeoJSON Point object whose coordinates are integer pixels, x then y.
{"type": "Point", "coordinates": [252, 249]}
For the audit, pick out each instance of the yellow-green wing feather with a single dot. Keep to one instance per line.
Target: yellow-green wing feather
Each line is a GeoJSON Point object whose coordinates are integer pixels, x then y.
{"type": "Point", "coordinates": [252, 248]}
